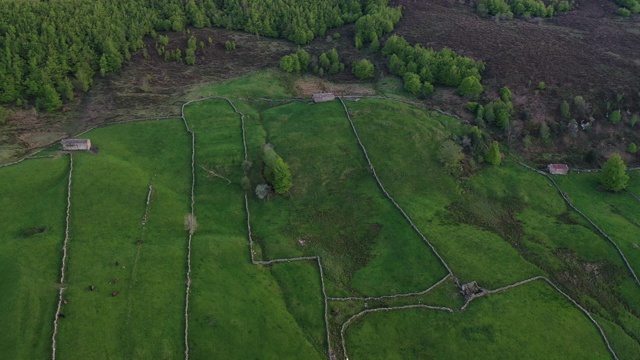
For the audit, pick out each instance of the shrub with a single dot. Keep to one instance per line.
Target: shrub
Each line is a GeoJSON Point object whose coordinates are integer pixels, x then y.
{"type": "Point", "coordinates": [427, 89]}
{"type": "Point", "coordinates": [615, 117]}
{"type": "Point", "coordinates": [633, 120]}
{"type": "Point", "coordinates": [545, 132]}
{"type": "Point", "coordinates": [450, 156]}
{"type": "Point", "coordinates": [263, 191]}
{"type": "Point", "coordinates": [276, 171]}
{"type": "Point", "coordinates": [470, 87]}
{"type": "Point", "coordinates": [412, 83]}
{"type": "Point", "coordinates": [633, 148]}
{"type": "Point", "coordinates": [614, 174]}
{"type": "Point", "coordinates": [581, 104]}
{"type": "Point", "coordinates": [505, 94]}
{"type": "Point", "coordinates": [493, 156]}
{"type": "Point", "coordinates": [363, 69]}
{"type": "Point", "coordinates": [290, 63]}
{"type": "Point", "coordinates": [542, 85]}
{"type": "Point", "coordinates": [624, 12]}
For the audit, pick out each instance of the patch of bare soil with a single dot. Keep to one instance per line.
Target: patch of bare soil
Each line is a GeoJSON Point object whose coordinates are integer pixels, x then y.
{"type": "Point", "coordinates": [307, 86]}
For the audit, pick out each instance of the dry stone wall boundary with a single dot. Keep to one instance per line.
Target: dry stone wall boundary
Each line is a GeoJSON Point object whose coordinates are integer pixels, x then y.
{"type": "Point", "coordinates": [385, 309]}
{"type": "Point", "coordinates": [375, 175]}
{"type": "Point", "coordinates": [63, 267]}
{"type": "Point", "coordinates": [600, 231]}
{"type": "Point", "coordinates": [555, 287]}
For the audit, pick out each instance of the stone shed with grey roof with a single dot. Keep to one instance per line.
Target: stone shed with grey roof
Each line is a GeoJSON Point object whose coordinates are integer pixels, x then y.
{"type": "Point", "coordinates": [76, 144]}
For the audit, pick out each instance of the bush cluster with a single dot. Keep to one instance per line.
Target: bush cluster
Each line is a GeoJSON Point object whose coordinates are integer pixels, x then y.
{"type": "Point", "coordinates": [421, 68]}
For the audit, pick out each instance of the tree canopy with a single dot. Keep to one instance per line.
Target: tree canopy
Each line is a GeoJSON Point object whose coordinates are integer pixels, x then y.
{"type": "Point", "coordinates": [614, 175]}
{"type": "Point", "coordinates": [276, 171]}
{"type": "Point", "coordinates": [48, 49]}
{"type": "Point", "coordinates": [444, 67]}
{"type": "Point", "coordinates": [493, 155]}
{"type": "Point", "coordinates": [363, 69]}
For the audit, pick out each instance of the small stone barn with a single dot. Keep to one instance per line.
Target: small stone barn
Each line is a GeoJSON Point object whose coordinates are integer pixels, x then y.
{"type": "Point", "coordinates": [558, 169]}
{"type": "Point", "coordinates": [323, 97]}
{"type": "Point", "coordinates": [76, 144]}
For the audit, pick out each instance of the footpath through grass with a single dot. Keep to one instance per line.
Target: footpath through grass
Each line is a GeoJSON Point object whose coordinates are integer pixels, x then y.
{"type": "Point", "coordinates": [34, 198]}
{"type": "Point", "coordinates": [145, 319]}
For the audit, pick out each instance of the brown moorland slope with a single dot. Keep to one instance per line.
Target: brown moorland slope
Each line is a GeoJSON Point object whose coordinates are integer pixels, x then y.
{"type": "Point", "coordinates": [589, 51]}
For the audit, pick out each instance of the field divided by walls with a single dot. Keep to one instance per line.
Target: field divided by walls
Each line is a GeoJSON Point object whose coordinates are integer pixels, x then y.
{"type": "Point", "coordinates": [32, 231]}
{"type": "Point", "coordinates": [131, 252]}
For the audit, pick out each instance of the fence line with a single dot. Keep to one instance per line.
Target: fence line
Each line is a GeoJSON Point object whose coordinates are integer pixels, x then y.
{"type": "Point", "coordinates": [276, 261]}
{"type": "Point", "coordinates": [385, 297]}
{"type": "Point", "coordinates": [602, 233]}
{"type": "Point", "coordinates": [188, 280]}
{"type": "Point", "coordinates": [134, 267]}
{"type": "Point", "coordinates": [633, 195]}
{"type": "Point", "coordinates": [375, 175]}
{"type": "Point", "coordinates": [63, 267]}
{"type": "Point", "coordinates": [347, 323]}
{"type": "Point", "coordinates": [545, 279]}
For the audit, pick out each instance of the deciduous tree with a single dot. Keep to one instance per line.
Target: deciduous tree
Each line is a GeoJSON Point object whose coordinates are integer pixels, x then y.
{"type": "Point", "coordinates": [493, 154]}
{"type": "Point", "coordinates": [614, 175]}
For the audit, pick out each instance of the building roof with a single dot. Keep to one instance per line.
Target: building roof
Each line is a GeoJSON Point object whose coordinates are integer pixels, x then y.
{"type": "Point", "coordinates": [323, 97]}
{"type": "Point", "coordinates": [559, 166]}
{"type": "Point", "coordinates": [74, 141]}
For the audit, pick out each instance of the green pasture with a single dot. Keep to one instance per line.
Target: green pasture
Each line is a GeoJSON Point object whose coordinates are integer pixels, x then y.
{"type": "Point", "coordinates": [634, 182]}
{"type": "Point", "coordinates": [403, 143]}
{"type": "Point", "coordinates": [109, 193]}
{"type": "Point", "coordinates": [34, 199]}
{"type": "Point", "coordinates": [499, 226]}
{"type": "Point", "coordinates": [262, 84]}
{"type": "Point", "coordinates": [239, 310]}
{"type": "Point", "coordinates": [335, 209]}
{"type": "Point", "coordinates": [529, 322]}
{"type": "Point", "coordinates": [617, 214]}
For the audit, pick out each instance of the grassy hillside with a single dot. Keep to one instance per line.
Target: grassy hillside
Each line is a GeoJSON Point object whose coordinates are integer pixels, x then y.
{"type": "Point", "coordinates": [234, 302]}
{"type": "Point", "coordinates": [496, 225]}
{"type": "Point", "coordinates": [108, 241]}
{"type": "Point", "coordinates": [34, 202]}
{"type": "Point", "coordinates": [532, 322]}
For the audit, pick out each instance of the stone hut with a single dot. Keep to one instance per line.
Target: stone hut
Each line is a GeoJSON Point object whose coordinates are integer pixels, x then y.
{"type": "Point", "coordinates": [76, 144]}
{"type": "Point", "coordinates": [323, 97]}
{"type": "Point", "coordinates": [470, 290]}
{"type": "Point", "coordinates": [558, 169]}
